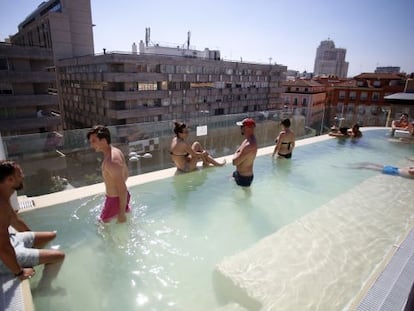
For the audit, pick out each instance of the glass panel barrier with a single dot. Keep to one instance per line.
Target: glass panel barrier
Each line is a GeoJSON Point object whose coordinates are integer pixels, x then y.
{"type": "Point", "coordinates": [56, 161]}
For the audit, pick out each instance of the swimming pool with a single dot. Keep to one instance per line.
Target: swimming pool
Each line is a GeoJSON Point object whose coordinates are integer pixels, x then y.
{"type": "Point", "coordinates": [183, 226]}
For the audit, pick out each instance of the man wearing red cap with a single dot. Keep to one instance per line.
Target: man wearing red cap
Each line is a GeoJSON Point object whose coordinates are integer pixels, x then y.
{"type": "Point", "coordinates": [244, 156]}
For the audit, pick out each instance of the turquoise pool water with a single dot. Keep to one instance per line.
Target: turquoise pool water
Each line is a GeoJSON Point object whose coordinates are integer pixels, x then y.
{"type": "Point", "coordinates": [182, 226]}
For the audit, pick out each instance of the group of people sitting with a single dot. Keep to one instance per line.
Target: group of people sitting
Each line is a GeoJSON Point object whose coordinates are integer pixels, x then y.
{"type": "Point", "coordinates": [346, 132]}
{"type": "Point", "coordinates": [402, 124]}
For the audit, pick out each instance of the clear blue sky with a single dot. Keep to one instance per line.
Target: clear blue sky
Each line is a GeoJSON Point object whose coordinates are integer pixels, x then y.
{"type": "Point", "coordinates": [375, 33]}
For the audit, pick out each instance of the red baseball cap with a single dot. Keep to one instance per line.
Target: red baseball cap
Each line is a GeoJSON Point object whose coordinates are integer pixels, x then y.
{"type": "Point", "coordinates": [248, 122]}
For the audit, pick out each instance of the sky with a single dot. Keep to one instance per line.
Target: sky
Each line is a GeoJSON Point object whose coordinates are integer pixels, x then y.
{"type": "Point", "coordinates": [374, 33]}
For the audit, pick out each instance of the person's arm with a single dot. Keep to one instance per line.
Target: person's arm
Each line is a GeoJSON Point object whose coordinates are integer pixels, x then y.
{"type": "Point", "coordinates": [278, 144]}
{"type": "Point", "coordinates": [241, 154]}
{"type": "Point", "coordinates": [334, 134]}
{"type": "Point", "coordinates": [293, 144]}
{"type": "Point", "coordinates": [195, 154]}
{"type": "Point", "coordinates": [118, 178]}
{"type": "Point", "coordinates": [17, 223]}
{"type": "Point", "coordinates": [7, 253]}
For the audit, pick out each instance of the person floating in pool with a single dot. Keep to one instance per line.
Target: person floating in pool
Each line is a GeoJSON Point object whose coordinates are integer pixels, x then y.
{"type": "Point", "coordinates": [245, 155]}
{"type": "Point", "coordinates": [20, 248]}
{"type": "Point", "coordinates": [114, 173]}
{"type": "Point", "coordinates": [285, 142]}
{"type": "Point", "coordinates": [186, 156]}
{"type": "Point", "coordinates": [407, 172]}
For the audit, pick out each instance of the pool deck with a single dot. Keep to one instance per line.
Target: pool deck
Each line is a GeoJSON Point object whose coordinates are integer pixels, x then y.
{"type": "Point", "coordinates": [403, 255]}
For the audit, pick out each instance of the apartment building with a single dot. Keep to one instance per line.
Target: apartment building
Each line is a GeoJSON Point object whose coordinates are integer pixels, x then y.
{"type": "Point", "coordinates": [29, 101]}
{"type": "Point", "coordinates": [330, 60]}
{"type": "Point", "coordinates": [119, 89]}
{"type": "Point", "coordinates": [64, 26]}
{"type": "Point", "coordinates": [388, 69]}
{"type": "Point", "coordinates": [305, 97]}
{"type": "Point", "coordinates": [28, 94]}
{"type": "Point", "coordinates": [361, 99]}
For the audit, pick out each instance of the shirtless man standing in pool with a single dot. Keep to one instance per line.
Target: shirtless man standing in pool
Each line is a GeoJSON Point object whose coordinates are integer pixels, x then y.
{"type": "Point", "coordinates": [114, 173]}
{"type": "Point", "coordinates": [245, 155]}
{"type": "Point", "coordinates": [20, 249]}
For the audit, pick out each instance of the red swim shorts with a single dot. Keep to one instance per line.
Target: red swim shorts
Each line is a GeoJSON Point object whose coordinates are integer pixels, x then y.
{"type": "Point", "coordinates": [111, 208]}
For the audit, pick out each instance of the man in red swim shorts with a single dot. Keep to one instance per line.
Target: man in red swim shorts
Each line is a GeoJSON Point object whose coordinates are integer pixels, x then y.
{"type": "Point", "coordinates": [111, 208]}
{"type": "Point", "coordinates": [114, 173]}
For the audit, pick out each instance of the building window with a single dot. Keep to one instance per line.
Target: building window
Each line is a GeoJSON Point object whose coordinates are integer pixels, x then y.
{"type": "Point", "coordinates": [364, 95]}
{"type": "Point", "coordinates": [6, 88]}
{"type": "Point", "coordinates": [352, 95]}
{"type": "Point", "coordinates": [4, 64]}
{"type": "Point", "coordinates": [377, 83]}
{"type": "Point", "coordinates": [341, 94]}
{"type": "Point", "coordinates": [375, 96]}
{"type": "Point", "coordinates": [150, 86]}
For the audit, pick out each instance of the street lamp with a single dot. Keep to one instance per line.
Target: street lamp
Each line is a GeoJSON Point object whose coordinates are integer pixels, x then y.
{"type": "Point", "coordinates": [388, 112]}
{"type": "Point", "coordinates": [202, 129]}
{"type": "Point", "coordinates": [204, 114]}
{"type": "Point", "coordinates": [323, 119]}
{"type": "Point", "coordinates": [134, 157]}
{"type": "Point", "coordinates": [339, 121]}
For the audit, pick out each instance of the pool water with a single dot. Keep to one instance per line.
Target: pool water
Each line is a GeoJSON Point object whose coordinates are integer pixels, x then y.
{"type": "Point", "coordinates": [181, 227]}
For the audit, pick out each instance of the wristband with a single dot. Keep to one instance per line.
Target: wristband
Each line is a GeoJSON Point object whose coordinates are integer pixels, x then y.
{"type": "Point", "coordinates": [19, 273]}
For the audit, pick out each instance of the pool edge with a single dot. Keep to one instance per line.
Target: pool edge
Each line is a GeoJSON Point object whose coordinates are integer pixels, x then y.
{"type": "Point", "coordinates": [82, 192]}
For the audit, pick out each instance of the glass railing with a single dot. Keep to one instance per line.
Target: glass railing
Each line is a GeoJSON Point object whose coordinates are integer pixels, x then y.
{"type": "Point", "coordinates": [56, 161]}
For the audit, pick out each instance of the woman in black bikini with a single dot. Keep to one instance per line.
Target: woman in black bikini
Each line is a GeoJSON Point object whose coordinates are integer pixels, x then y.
{"type": "Point", "coordinates": [285, 142]}
{"type": "Point", "coordinates": [184, 156]}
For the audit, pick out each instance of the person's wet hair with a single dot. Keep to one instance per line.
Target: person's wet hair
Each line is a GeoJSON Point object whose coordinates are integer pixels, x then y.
{"type": "Point", "coordinates": [7, 168]}
{"type": "Point", "coordinates": [286, 122]}
{"type": "Point", "coordinates": [179, 127]}
{"type": "Point", "coordinates": [101, 131]}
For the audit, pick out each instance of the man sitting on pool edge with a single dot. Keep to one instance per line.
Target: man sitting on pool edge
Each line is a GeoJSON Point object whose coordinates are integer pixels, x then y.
{"type": "Point", "coordinates": [20, 251]}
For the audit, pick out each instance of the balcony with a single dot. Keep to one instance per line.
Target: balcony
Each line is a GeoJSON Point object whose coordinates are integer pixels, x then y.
{"type": "Point", "coordinates": [133, 77]}
{"type": "Point", "coordinates": [135, 113]}
{"type": "Point", "coordinates": [25, 52]}
{"type": "Point", "coordinates": [27, 77]}
{"type": "Point", "coordinates": [29, 123]}
{"type": "Point", "coordinates": [131, 95]}
{"type": "Point", "coordinates": [28, 100]}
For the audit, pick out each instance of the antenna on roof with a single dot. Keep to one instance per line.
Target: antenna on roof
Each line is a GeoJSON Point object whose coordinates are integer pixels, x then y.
{"type": "Point", "coordinates": [188, 39]}
{"type": "Point", "coordinates": [147, 36]}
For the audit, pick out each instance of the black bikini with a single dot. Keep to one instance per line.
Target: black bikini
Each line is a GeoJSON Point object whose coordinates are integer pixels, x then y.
{"type": "Point", "coordinates": [180, 155]}
{"type": "Point", "coordinates": [288, 155]}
